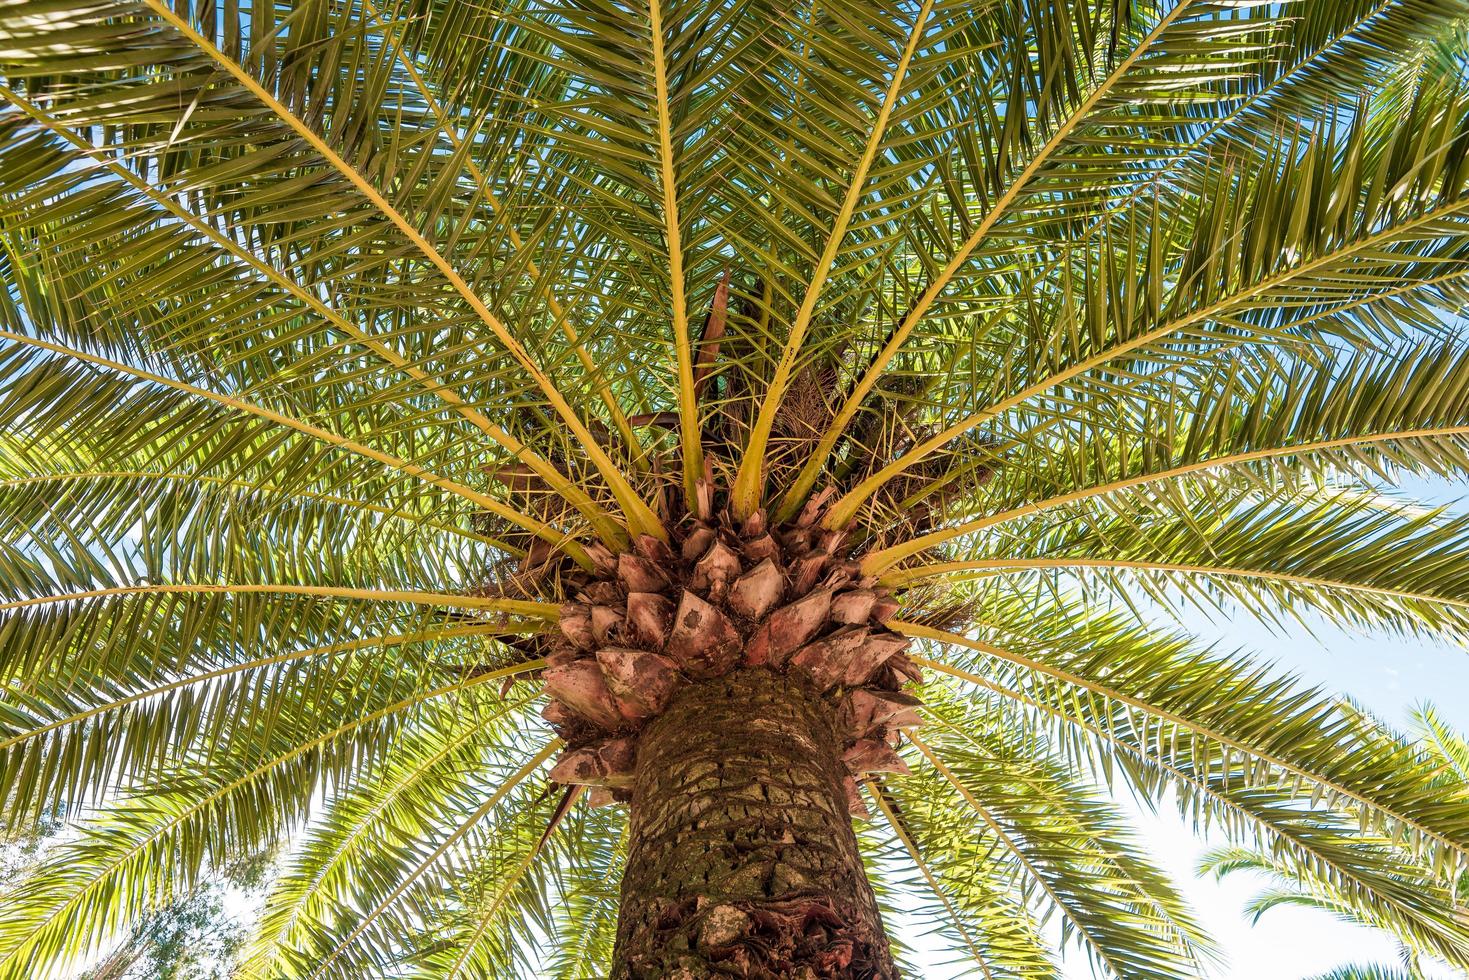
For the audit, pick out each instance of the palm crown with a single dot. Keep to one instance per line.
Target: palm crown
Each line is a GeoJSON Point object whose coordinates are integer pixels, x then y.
{"type": "Point", "coordinates": [343, 343]}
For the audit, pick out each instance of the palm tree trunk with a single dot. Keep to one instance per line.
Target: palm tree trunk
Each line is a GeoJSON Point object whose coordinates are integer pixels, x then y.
{"type": "Point", "coordinates": [742, 860]}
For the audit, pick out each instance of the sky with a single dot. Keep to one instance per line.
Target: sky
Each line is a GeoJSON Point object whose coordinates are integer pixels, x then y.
{"type": "Point", "coordinates": [1387, 675]}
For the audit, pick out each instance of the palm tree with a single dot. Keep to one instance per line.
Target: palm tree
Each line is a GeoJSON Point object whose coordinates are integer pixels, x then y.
{"type": "Point", "coordinates": [542, 462]}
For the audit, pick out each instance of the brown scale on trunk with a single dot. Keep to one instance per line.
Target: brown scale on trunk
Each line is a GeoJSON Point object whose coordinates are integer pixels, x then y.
{"type": "Point", "coordinates": [721, 598]}
{"type": "Point", "coordinates": [741, 857]}
{"type": "Point", "coordinates": [733, 686]}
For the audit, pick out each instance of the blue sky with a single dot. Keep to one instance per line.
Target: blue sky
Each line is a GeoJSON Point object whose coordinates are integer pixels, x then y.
{"type": "Point", "coordinates": [1387, 675]}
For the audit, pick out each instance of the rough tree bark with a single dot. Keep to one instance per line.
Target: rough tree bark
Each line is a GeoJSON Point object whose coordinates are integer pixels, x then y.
{"type": "Point", "coordinates": [742, 860]}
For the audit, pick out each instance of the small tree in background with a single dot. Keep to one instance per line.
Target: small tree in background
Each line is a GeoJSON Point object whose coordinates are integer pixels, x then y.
{"type": "Point", "coordinates": [196, 936]}
{"type": "Point", "coordinates": [553, 464]}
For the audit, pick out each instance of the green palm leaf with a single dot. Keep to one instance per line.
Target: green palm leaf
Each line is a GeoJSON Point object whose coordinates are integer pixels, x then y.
{"type": "Point", "coordinates": [374, 373]}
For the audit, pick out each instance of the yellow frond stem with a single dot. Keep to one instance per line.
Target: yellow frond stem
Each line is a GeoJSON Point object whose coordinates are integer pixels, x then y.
{"type": "Point", "coordinates": [690, 433]}
{"type": "Point", "coordinates": [961, 570]}
{"type": "Point", "coordinates": [641, 519]}
{"type": "Point", "coordinates": [880, 561]}
{"type": "Point", "coordinates": [548, 611]}
{"type": "Point", "coordinates": [745, 495]}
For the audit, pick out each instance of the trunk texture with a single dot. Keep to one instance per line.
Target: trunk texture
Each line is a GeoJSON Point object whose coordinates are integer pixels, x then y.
{"type": "Point", "coordinates": [742, 860]}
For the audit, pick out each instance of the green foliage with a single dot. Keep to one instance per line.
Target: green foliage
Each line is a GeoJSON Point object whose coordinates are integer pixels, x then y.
{"type": "Point", "coordinates": [1074, 305]}
{"type": "Point", "coordinates": [192, 938]}
{"type": "Point", "coordinates": [1313, 886]}
{"type": "Point", "coordinates": [1367, 971]}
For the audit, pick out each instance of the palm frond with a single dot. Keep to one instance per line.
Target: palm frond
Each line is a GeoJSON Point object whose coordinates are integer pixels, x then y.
{"type": "Point", "coordinates": [1362, 561]}
{"type": "Point", "coordinates": [1157, 683]}
{"type": "Point", "coordinates": [1371, 875]}
{"type": "Point", "coordinates": [341, 344]}
{"type": "Point", "coordinates": [980, 917]}
{"type": "Point", "coordinates": [1239, 279]}
{"type": "Point", "coordinates": [1071, 855]}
